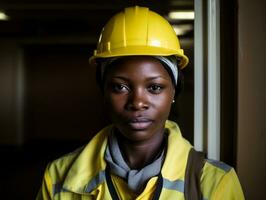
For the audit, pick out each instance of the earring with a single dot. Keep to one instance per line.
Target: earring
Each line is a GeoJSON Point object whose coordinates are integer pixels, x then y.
{"type": "Point", "coordinates": [173, 101]}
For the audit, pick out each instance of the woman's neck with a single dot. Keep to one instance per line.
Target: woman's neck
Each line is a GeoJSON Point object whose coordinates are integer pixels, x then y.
{"type": "Point", "coordinates": [139, 154]}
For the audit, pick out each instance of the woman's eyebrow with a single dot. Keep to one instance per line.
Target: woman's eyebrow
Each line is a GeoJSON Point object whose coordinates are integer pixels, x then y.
{"type": "Point", "coordinates": [157, 77]}
{"type": "Point", "coordinates": [148, 78]}
{"type": "Point", "coordinates": [121, 77]}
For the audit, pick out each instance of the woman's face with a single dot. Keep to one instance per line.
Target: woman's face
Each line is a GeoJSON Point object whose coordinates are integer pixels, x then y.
{"type": "Point", "coordinates": [138, 93]}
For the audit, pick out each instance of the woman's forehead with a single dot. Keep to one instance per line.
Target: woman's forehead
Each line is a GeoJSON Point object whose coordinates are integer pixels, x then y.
{"type": "Point", "coordinates": [144, 65]}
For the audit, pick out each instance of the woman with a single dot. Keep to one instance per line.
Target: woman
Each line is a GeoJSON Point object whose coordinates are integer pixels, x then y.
{"type": "Point", "coordinates": [142, 155]}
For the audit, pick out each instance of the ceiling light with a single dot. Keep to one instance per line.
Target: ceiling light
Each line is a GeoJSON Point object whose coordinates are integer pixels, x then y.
{"type": "Point", "coordinates": [3, 16]}
{"type": "Point", "coordinates": [181, 15]}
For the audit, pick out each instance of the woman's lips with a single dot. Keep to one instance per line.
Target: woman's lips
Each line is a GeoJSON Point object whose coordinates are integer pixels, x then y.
{"type": "Point", "coordinates": [140, 123]}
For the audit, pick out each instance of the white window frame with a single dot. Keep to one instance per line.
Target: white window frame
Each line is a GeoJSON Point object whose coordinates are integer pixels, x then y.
{"type": "Point", "coordinates": [207, 103]}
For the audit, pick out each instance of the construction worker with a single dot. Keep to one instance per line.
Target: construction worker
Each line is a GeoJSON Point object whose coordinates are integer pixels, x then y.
{"type": "Point", "coordinates": [142, 155]}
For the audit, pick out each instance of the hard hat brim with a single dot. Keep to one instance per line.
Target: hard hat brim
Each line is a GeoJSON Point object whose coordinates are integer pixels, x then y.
{"type": "Point", "coordinates": [141, 51]}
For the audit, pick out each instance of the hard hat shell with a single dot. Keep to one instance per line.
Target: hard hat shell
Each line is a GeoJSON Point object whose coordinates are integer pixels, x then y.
{"type": "Point", "coordinates": [138, 31]}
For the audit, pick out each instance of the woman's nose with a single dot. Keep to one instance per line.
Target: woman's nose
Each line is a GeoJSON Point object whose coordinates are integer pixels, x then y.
{"type": "Point", "coordinates": [137, 100]}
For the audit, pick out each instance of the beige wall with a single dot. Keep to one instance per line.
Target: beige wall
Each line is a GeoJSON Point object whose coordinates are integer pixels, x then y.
{"type": "Point", "coordinates": [251, 151]}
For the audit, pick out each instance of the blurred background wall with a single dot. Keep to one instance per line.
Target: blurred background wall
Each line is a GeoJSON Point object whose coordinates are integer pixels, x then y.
{"type": "Point", "coordinates": [50, 104]}
{"type": "Point", "coordinates": [251, 144]}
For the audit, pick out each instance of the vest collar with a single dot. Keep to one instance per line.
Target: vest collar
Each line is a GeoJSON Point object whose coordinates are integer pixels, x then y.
{"type": "Point", "coordinates": [89, 167]}
{"type": "Point", "coordinates": [178, 148]}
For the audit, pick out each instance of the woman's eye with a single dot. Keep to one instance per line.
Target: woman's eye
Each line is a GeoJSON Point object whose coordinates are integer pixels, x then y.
{"type": "Point", "coordinates": [155, 88]}
{"type": "Point", "coordinates": [120, 88]}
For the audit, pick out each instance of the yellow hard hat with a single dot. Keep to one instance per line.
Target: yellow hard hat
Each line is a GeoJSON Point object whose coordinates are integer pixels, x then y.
{"type": "Point", "coordinates": [138, 31]}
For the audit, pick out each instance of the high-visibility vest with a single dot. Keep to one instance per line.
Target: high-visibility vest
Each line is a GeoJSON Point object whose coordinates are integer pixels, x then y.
{"type": "Point", "coordinates": [81, 175]}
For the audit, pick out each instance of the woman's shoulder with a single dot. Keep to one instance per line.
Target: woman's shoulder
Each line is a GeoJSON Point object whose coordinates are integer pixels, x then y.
{"type": "Point", "coordinates": [219, 181]}
{"type": "Point", "coordinates": [58, 168]}
{"type": "Point", "coordinates": [85, 156]}
{"type": "Point", "coordinates": [213, 172]}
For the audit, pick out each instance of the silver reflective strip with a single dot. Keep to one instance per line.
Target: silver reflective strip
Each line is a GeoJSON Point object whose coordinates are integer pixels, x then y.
{"type": "Point", "coordinates": [220, 165]}
{"type": "Point", "coordinates": [177, 185]}
{"type": "Point", "coordinates": [98, 179]}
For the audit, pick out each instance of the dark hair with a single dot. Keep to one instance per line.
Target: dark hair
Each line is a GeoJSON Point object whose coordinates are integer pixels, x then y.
{"type": "Point", "coordinates": [100, 78]}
